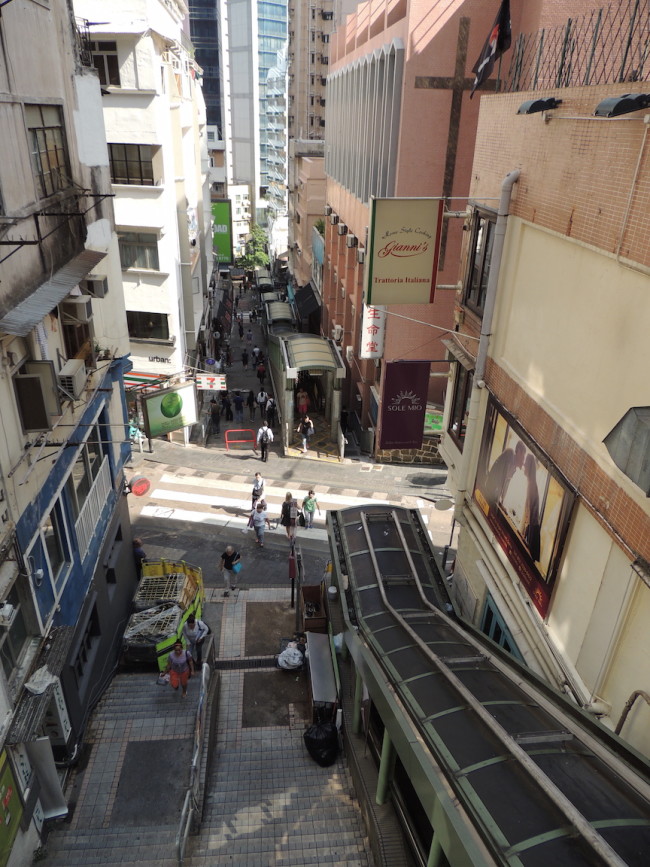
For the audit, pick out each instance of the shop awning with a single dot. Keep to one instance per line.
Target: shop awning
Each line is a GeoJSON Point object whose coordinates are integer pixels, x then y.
{"type": "Point", "coordinates": [459, 352]}
{"type": "Point", "coordinates": [278, 311]}
{"type": "Point", "coordinates": [26, 315]}
{"type": "Point", "coordinates": [312, 353]}
{"type": "Point", "coordinates": [307, 300]}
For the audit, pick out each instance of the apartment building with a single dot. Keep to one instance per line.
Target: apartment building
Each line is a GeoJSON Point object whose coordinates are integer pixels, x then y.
{"type": "Point", "coordinates": [155, 122]}
{"type": "Point", "coordinates": [546, 419]}
{"type": "Point", "coordinates": [64, 346]}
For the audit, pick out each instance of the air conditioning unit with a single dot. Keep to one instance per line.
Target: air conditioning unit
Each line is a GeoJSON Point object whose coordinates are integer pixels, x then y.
{"type": "Point", "coordinates": [361, 255]}
{"type": "Point", "coordinates": [72, 377]}
{"type": "Point", "coordinates": [334, 218]}
{"type": "Point", "coordinates": [349, 354]}
{"type": "Point", "coordinates": [342, 229]}
{"type": "Point", "coordinates": [337, 332]}
{"type": "Point", "coordinates": [98, 288]}
{"type": "Point", "coordinates": [327, 210]}
{"type": "Point", "coordinates": [351, 241]}
{"type": "Point", "coordinates": [78, 308]}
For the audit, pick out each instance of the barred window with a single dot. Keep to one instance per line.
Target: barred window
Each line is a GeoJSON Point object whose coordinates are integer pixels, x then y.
{"type": "Point", "coordinates": [49, 151]}
{"type": "Point", "coordinates": [131, 164]}
{"type": "Point", "coordinates": [138, 250]}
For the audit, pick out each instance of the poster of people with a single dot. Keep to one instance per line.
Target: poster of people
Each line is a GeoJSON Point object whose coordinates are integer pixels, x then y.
{"type": "Point", "coordinates": [526, 505]}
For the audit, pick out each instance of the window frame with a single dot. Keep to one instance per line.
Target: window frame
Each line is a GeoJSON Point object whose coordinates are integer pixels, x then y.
{"type": "Point", "coordinates": [459, 406]}
{"type": "Point", "coordinates": [10, 654]}
{"type": "Point", "coordinates": [105, 72]}
{"type": "Point", "coordinates": [137, 161]}
{"type": "Point", "coordinates": [49, 152]}
{"type": "Point", "coordinates": [127, 243]}
{"type": "Point", "coordinates": [89, 459]}
{"type": "Point", "coordinates": [163, 325]}
{"type": "Point", "coordinates": [479, 260]}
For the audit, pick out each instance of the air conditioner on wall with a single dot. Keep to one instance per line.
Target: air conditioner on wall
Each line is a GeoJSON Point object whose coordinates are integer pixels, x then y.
{"type": "Point", "coordinates": [342, 229]}
{"type": "Point", "coordinates": [72, 377]}
{"type": "Point", "coordinates": [361, 255]}
{"type": "Point", "coordinates": [78, 308]}
{"type": "Point", "coordinates": [349, 354]}
{"type": "Point", "coordinates": [334, 218]}
{"type": "Point", "coordinates": [351, 241]}
{"type": "Point", "coordinates": [337, 332]}
{"type": "Point", "coordinates": [328, 210]}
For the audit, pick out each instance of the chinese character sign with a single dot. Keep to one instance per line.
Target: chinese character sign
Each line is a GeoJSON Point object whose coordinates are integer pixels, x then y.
{"type": "Point", "coordinates": [373, 330]}
{"type": "Point", "coordinates": [404, 244]}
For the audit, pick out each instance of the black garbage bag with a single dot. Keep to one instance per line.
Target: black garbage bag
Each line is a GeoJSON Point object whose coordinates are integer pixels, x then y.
{"type": "Point", "coordinates": [322, 742]}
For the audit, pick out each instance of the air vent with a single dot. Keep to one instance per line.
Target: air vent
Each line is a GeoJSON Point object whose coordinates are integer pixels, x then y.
{"type": "Point", "coordinates": [72, 377]}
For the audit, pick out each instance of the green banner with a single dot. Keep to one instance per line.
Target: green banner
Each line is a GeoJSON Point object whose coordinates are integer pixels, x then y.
{"type": "Point", "coordinates": [222, 231]}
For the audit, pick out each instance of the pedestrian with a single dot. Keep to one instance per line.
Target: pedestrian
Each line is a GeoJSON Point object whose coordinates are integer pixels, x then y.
{"type": "Point", "coordinates": [264, 438]}
{"type": "Point", "coordinates": [256, 352]}
{"type": "Point", "coordinates": [139, 556]}
{"type": "Point", "coordinates": [238, 403]}
{"type": "Point", "coordinates": [302, 402]}
{"type": "Point", "coordinates": [230, 566]}
{"type": "Point", "coordinates": [270, 411]}
{"type": "Point", "coordinates": [244, 358]}
{"type": "Point", "coordinates": [260, 522]}
{"type": "Point", "coordinates": [180, 667]}
{"type": "Point", "coordinates": [215, 416]}
{"type": "Point", "coordinates": [249, 337]}
{"type": "Point", "coordinates": [226, 406]}
{"type": "Point", "coordinates": [251, 404]}
{"type": "Point", "coordinates": [241, 331]}
{"type": "Point", "coordinates": [258, 489]}
{"type": "Point", "coordinates": [309, 506]}
{"type": "Point", "coordinates": [194, 633]}
{"type": "Point", "coordinates": [305, 429]}
{"type": "Point", "coordinates": [261, 399]}
{"type": "Point", "coordinates": [228, 356]}
{"type": "Point", "coordinates": [288, 514]}
{"type": "Point", "coordinates": [261, 373]}
{"type": "Point", "coordinates": [253, 315]}
{"type": "Point", "coordinates": [237, 302]}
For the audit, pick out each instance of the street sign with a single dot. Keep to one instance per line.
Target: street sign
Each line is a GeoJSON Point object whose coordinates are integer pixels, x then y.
{"type": "Point", "coordinates": [211, 382]}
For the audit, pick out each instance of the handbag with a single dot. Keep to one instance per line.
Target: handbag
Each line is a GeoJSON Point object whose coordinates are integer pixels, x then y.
{"type": "Point", "coordinates": [301, 519]}
{"type": "Point", "coordinates": [236, 567]}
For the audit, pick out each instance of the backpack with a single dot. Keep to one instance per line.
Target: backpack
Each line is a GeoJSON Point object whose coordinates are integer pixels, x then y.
{"type": "Point", "coordinates": [265, 437]}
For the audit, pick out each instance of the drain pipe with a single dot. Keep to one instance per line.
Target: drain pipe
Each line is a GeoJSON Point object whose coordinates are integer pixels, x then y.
{"type": "Point", "coordinates": [484, 340]}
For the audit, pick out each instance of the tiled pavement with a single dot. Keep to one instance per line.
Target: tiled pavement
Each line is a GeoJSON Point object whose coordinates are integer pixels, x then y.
{"type": "Point", "coordinates": [267, 802]}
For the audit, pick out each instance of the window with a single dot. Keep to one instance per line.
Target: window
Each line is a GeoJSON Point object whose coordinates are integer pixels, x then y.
{"type": "Point", "coordinates": [147, 326]}
{"type": "Point", "coordinates": [86, 650]}
{"type": "Point", "coordinates": [105, 62]}
{"type": "Point", "coordinates": [14, 636]}
{"type": "Point", "coordinates": [84, 472]}
{"type": "Point", "coordinates": [138, 250]}
{"type": "Point", "coordinates": [37, 399]}
{"type": "Point", "coordinates": [460, 405]}
{"type": "Point", "coordinates": [493, 625]}
{"type": "Point", "coordinates": [480, 259]}
{"type": "Point", "coordinates": [53, 534]}
{"type": "Point", "coordinates": [48, 148]}
{"type": "Point", "coordinates": [132, 164]}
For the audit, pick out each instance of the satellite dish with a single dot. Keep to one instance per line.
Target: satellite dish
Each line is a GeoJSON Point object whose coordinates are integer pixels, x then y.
{"type": "Point", "coordinates": [444, 505]}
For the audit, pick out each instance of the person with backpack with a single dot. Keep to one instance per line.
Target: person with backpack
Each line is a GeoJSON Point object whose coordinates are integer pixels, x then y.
{"type": "Point", "coordinates": [270, 411]}
{"type": "Point", "coordinates": [258, 489]}
{"type": "Point", "coordinates": [264, 437]}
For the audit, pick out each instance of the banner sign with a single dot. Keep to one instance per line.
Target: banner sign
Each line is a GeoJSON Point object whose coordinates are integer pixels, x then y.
{"type": "Point", "coordinates": [403, 404]}
{"type": "Point", "coordinates": [211, 382]}
{"type": "Point", "coordinates": [525, 503]}
{"type": "Point", "coordinates": [403, 249]}
{"type": "Point", "coordinates": [222, 231]}
{"type": "Point", "coordinates": [168, 410]}
{"type": "Point", "coordinates": [373, 331]}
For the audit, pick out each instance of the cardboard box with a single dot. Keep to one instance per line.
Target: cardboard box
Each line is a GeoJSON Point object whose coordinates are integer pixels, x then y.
{"type": "Point", "coordinates": [313, 594]}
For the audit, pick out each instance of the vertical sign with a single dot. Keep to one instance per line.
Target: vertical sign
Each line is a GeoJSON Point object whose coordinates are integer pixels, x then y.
{"type": "Point", "coordinates": [403, 404]}
{"type": "Point", "coordinates": [222, 231]}
{"type": "Point", "coordinates": [403, 247]}
{"type": "Point", "coordinates": [373, 332]}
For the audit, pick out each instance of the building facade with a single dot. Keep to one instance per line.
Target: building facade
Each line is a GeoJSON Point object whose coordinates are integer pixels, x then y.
{"type": "Point", "coordinates": [65, 532]}
{"type": "Point", "coordinates": [547, 414]}
{"type": "Point", "coordinates": [155, 124]}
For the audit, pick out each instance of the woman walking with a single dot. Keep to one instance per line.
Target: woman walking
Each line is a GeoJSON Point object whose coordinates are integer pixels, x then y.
{"type": "Point", "coordinates": [288, 514]}
{"type": "Point", "coordinates": [180, 667]}
{"type": "Point", "coordinates": [305, 429]}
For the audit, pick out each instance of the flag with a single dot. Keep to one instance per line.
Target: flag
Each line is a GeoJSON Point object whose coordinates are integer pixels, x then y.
{"type": "Point", "coordinates": [497, 42]}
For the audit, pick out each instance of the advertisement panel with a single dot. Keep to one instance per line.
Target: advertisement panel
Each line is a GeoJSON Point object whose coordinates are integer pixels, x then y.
{"type": "Point", "coordinates": [222, 231]}
{"type": "Point", "coordinates": [525, 502]}
{"type": "Point", "coordinates": [403, 404]}
{"type": "Point", "coordinates": [373, 332]}
{"type": "Point", "coordinates": [168, 410]}
{"type": "Point", "coordinates": [403, 249]}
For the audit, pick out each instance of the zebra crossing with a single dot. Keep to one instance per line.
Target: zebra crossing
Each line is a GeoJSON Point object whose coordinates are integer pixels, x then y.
{"type": "Point", "coordinates": [226, 502]}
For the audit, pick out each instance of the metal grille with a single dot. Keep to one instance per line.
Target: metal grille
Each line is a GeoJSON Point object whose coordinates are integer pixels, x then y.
{"type": "Point", "coordinates": [607, 45]}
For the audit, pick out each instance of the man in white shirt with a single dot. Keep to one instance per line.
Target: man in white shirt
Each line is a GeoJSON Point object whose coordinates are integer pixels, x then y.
{"type": "Point", "coordinates": [264, 437]}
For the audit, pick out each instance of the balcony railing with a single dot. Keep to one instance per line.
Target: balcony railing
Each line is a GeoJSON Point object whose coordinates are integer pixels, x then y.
{"type": "Point", "coordinates": [92, 509]}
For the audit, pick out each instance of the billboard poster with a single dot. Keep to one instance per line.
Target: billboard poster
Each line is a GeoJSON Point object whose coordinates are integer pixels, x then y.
{"type": "Point", "coordinates": [526, 503]}
{"type": "Point", "coordinates": [168, 410]}
{"type": "Point", "coordinates": [403, 250]}
{"type": "Point", "coordinates": [222, 231]}
{"type": "Point", "coordinates": [373, 332]}
{"type": "Point", "coordinates": [403, 404]}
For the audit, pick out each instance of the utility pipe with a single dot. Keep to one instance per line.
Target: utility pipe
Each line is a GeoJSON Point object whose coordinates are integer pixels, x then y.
{"type": "Point", "coordinates": [484, 340]}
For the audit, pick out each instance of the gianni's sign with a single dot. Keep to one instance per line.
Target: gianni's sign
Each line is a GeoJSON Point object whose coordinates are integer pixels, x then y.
{"type": "Point", "coordinates": [404, 242]}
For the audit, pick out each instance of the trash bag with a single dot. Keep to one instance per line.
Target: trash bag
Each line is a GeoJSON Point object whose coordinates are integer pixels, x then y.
{"type": "Point", "coordinates": [291, 658]}
{"type": "Point", "coordinates": [322, 742]}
